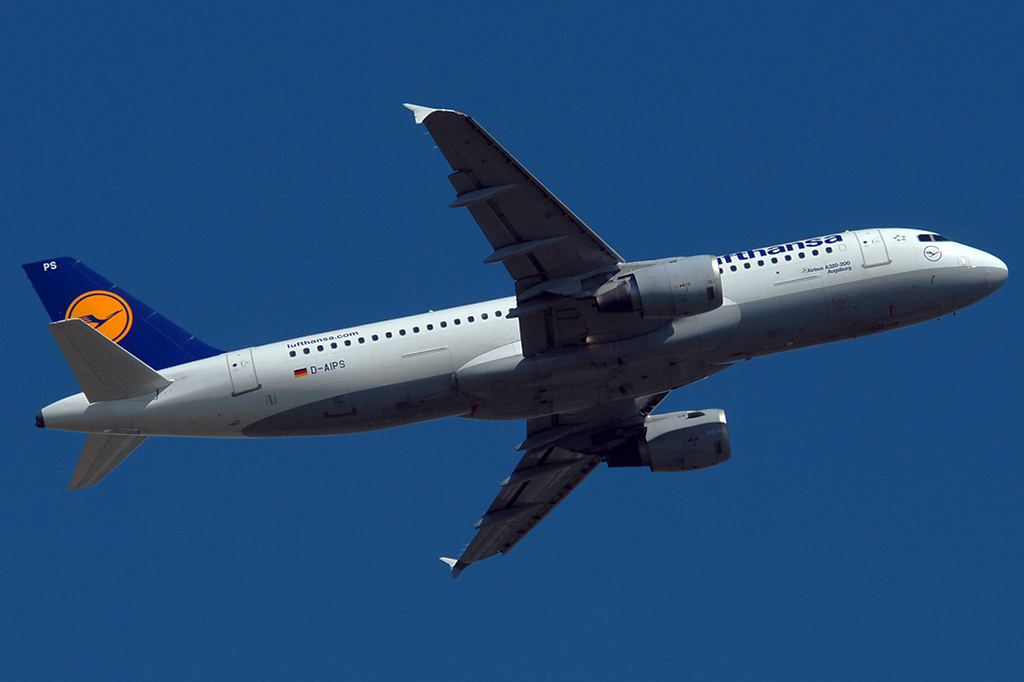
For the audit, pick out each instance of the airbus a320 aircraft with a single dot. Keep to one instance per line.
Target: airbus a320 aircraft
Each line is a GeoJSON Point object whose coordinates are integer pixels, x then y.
{"type": "Point", "coordinates": [584, 352]}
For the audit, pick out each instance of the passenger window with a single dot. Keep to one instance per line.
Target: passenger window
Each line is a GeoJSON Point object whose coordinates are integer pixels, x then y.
{"type": "Point", "coordinates": [497, 313]}
{"type": "Point", "coordinates": [291, 354]}
{"type": "Point", "coordinates": [430, 327]}
{"type": "Point", "coordinates": [305, 351]}
{"type": "Point", "coordinates": [348, 342]}
{"type": "Point", "coordinates": [802, 255]}
{"type": "Point", "coordinates": [746, 265]}
{"type": "Point", "coordinates": [387, 334]}
{"type": "Point", "coordinates": [733, 268]}
{"type": "Point", "coordinates": [362, 340]}
{"type": "Point", "coordinates": [443, 324]}
{"type": "Point", "coordinates": [458, 321]}
{"type": "Point", "coordinates": [333, 344]}
{"type": "Point", "coordinates": [484, 316]}
{"type": "Point", "coordinates": [814, 253]}
{"type": "Point", "coordinates": [470, 318]}
{"type": "Point", "coordinates": [788, 257]}
{"type": "Point", "coordinates": [828, 249]}
{"type": "Point", "coordinates": [774, 259]}
{"type": "Point", "coordinates": [375, 337]}
{"type": "Point", "coordinates": [320, 349]}
{"type": "Point", "coordinates": [760, 263]}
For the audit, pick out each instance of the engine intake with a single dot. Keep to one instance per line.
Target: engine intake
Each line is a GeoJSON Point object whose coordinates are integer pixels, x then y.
{"type": "Point", "coordinates": [667, 288]}
{"type": "Point", "coordinates": [678, 441]}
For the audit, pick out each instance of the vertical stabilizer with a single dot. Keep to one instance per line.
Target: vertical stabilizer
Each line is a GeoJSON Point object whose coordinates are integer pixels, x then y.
{"type": "Point", "coordinates": [69, 290]}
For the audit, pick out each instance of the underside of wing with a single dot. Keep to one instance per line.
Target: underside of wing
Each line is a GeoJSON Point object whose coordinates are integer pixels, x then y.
{"type": "Point", "coordinates": [557, 262]}
{"type": "Point", "coordinates": [561, 451]}
{"type": "Point", "coordinates": [533, 233]}
{"type": "Point", "coordinates": [543, 478]}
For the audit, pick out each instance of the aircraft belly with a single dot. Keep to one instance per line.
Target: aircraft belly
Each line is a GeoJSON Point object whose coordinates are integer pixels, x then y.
{"type": "Point", "coordinates": [357, 411]}
{"type": "Point", "coordinates": [370, 391]}
{"type": "Point", "coordinates": [796, 312]}
{"type": "Point", "coordinates": [510, 386]}
{"type": "Point", "coordinates": [847, 308]}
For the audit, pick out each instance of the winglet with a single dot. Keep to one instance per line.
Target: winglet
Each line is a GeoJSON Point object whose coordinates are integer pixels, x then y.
{"type": "Point", "coordinates": [456, 565]}
{"type": "Point", "coordinates": [421, 113]}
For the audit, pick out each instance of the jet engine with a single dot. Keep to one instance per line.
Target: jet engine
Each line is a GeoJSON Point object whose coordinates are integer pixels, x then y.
{"type": "Point", "coordinates": [672, 287]}
{"type": "Point", "coordinates": [678, 441]}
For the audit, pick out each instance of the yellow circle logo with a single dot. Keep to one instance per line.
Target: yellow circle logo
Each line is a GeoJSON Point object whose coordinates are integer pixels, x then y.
{"type": "Point", "coordinates": [105, 312]}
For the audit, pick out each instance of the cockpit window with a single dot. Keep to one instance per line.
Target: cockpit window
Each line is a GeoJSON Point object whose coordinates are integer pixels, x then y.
{"type": "Point", "coordinates": [924, 237]}
{"type": "Point", "coordinates": [939, 238]}
{"type": "Point", "coordinates": [931, 238]}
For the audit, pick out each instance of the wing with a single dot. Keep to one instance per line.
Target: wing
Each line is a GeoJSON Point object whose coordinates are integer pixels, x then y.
{"type": "Point", "coordinates": [557, 262]}
{"type": "Point", "coordinates": [533, 233]}
{"type": "Point", "coordinates": [561, 451]}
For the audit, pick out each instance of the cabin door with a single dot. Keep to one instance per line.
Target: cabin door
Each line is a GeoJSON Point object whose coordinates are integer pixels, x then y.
{"type": "Point", "coordinates": [872, 248]}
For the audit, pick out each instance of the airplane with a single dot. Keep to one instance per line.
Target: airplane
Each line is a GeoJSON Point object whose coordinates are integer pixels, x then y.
{"type": "Point", "coordinates": [586, 349]}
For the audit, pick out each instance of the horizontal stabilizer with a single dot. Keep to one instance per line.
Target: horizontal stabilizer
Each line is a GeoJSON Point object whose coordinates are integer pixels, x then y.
{"type": "Point", "coordinates": [101, 454]}
{"type": "Point", "coordinates": [104, 370]}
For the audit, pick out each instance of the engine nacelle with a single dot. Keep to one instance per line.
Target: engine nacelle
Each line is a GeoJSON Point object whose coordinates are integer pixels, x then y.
{"type": "Point", "coordinates": [678, 441]}
{"type": "Point", "coordinates": [668, 288]}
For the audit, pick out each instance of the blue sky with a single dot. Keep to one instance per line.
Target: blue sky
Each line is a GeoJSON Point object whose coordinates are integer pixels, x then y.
{"type": "Point", "coordinates": [249, 172]}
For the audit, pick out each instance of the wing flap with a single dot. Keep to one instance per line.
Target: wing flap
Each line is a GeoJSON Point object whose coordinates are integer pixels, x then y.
{"type": "Point", "coordinates": [561, 451]}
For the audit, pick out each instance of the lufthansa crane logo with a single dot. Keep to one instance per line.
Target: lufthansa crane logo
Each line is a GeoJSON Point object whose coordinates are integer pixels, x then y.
{"type": "Point", "coordinates": [932, 253]}
{"type": "Point", "coordinates": [105, 312]}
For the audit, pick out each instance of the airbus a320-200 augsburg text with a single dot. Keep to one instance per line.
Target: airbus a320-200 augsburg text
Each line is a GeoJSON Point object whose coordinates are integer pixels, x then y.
{"type": "Point", "coordinates": [584, 352]}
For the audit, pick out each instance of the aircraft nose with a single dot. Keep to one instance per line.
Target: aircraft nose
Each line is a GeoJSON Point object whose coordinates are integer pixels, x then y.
{"type": "Point", "coordinates": [996, 272]}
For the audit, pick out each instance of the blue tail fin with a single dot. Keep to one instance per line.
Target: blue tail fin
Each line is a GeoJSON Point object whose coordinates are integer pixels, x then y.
{"type": "Point", "coordinates": [69, 290]}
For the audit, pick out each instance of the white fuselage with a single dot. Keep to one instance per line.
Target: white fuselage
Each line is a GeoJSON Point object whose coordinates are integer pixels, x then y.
{"type": "Point", "coordinates": [468, 361]}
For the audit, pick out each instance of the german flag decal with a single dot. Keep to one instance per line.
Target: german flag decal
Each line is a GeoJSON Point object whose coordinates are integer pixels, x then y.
{"type": "Point", "coordinates": [301, 372]}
